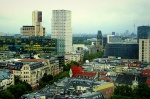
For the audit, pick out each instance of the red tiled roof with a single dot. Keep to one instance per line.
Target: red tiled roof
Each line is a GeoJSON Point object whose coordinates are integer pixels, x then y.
{"type": "Point", "coordinates": [102, 73]}
{"type": "Point", "coordinates": [107, 79]}
{"type": "Point", "coordinates": [145, 72]}
{"type": "Point", "coordinates": [148, 81]}
{"type": "Point", "coordinates": [76, 70]}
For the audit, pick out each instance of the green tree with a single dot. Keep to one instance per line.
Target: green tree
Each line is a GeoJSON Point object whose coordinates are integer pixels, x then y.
{"type": "Point", "coordinates": [5, 94]}
{"type": "Point", "coordinates": [123, 90]}
{"type": "Point", "coordinates": [17, 90]}
{"type": "Point", "coordinates": [17, 79]}
{"type": "Point", "coordinates": [68, 66]}
{"type": "Point", "coordinates": [46, 78]}
{"type": "Point", "coordinates": [126, 92]}
{"type": "Point", "coordinates": [143, 91]}
{"type": "Point", "coordinates": [93, 56]}
{"type": "Point", "coordinates": [120, 97]}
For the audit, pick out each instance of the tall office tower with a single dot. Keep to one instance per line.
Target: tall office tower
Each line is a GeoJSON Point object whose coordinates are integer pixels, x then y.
{"type": "Point", "coordinates": [36, 29]}
{"type": "Point", "coordinates": [143, 32]}
{"type": "Point", "coordinates": [61, 29]}
{"type": "Point", "coordinates": [99, 38]}
{"type": "Point", "coordinates": [144, 50]}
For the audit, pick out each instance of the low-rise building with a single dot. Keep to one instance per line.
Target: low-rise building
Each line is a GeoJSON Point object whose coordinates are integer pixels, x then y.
{"type": "Point", "coordinates": [32, 70]}
{"type": "Point", "coordinates": [73, 57]}
{"type": "Point", "coordinates": [130, 79]}
{"type": "Point", "coordinates": [6, 79]}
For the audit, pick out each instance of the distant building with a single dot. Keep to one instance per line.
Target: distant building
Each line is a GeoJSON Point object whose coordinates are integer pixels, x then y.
{"type": "Point", "coordinates": [123, 50]}
{"type": "Point", "coordinates": [113, 33]}
{"type": "Point", "coordinates": [104, 41]}
{"type": "Point", "coordinates": [36, 29]}
{"type": "Point", "coordinates": [62, 30]}
{"type": "Point", "coordinates": [113, 39]}
{"type": "Point", "coordinates": [143, 32]}
{"type": "Point", "coordinates": [144, 50]}
{"type": "Point", "coordinates": [99, 38]}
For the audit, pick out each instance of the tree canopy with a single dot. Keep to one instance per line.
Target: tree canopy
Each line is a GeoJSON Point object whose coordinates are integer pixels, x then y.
{"type": "Point", "coordinates": [126, 92]}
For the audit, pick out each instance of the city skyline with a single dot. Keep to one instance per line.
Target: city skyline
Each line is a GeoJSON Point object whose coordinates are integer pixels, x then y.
{"type": "Point", "coordinates": [87, 16]}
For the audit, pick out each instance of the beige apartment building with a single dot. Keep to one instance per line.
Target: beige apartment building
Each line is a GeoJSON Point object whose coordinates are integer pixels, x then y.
{"type": "Point", "coordinates": [144, 50]}
{"type": "Point", "coordinates": [36, 29]}
{"type": "Point", "coordinates": [32, 70]}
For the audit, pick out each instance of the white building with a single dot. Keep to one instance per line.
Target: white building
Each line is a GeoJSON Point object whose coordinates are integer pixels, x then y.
{"type": "Point", "coordinates": [36, 29]}
{"type": "Point", "coordinates": [113, 39]}
{"type": "Point", "coordinates": [73, 57]}
{"type": "Point", "coordinates": [62, 30]}
{"type": "Point", "coordinates": [144, 50]}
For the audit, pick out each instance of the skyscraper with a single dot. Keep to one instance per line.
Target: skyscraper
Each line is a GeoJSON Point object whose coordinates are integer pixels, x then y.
{"type": "Point", "coordinates": [36, 29]}
{"type": "Point", "coordinates": [61, 29]}
{"type": "Point", "coordinates": [143, 32]}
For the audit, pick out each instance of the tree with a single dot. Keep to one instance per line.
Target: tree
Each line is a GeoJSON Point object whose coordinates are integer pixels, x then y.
{"type": "Point", "coordinates": [123, 90]}
{"type": "Point", "coordinates": [93, 56]}
{"type": "Point", "coordinates": [5, 94]}
{"type": "Point", "coordinates": [46, 78]}
{"type": "Point", "coordinates": [68, 66]}
{"type": "Point", "coordinates": [143, 91]}
{"type": "Point", "coordinates": [19, 88]}
{"type": "Point", "coordinates": [120, 97]}
{"type": "Point", "coordinates": [126, 92]}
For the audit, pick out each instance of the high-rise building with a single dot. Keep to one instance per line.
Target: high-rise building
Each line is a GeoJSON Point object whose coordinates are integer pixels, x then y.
{"type": "Point", "coordinates": [99, 38]}
{"type": "Point", "coordinates": [36, 29]}
{"type": "Point", "coordinates": [144, 50]}
{"type": "Point", "coordinates": [143, 32]}
{"type": "Point", "coordinates": [62, 30]}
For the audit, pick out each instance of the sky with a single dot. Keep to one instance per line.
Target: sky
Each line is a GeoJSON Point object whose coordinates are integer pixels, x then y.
{"type": "Point", "coordinates": [88, 16]}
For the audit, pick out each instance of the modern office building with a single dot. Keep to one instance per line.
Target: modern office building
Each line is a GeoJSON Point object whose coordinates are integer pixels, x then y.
{"type": "Point", "coordinates": [28, 44]}
{"type": "Point", "coordinates": [62, 30]}
{"type": "Point", "coordinates": [36, 29]}
{"type": "Point", "coordinates": [143, 32]}
{"type": "Point", "coordinates": [144, 50]}
{"type": "Point", "coordinates": [123, 50]}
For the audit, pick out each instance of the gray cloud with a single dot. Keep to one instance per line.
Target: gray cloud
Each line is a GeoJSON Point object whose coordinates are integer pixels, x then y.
{"type": "Point", "coordinates": [87, 15]}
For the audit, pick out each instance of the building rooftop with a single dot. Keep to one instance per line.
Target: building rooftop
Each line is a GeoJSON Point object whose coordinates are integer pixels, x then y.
{"type": "Point", "coordinates": [4, 74]}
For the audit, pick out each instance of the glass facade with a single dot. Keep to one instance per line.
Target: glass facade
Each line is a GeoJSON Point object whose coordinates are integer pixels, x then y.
{"type": "Point", "coordinates": [123, 50]}
{"type": "Point", "coordinates": [29, 44]}
{"type": "Point", "coordinates": [143, 32]}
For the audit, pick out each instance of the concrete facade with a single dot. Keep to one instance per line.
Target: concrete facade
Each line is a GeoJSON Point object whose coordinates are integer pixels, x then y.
{"type": "Point", "coordinates": [62, 30]}
{"type": "Point", "coordinates": [144, 50]}
{"type": "Point", "coordinates": [36, 29]}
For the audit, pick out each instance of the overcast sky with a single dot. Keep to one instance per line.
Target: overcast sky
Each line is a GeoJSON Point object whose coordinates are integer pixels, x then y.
{"type": "Point", "coordinates": [88, 16]}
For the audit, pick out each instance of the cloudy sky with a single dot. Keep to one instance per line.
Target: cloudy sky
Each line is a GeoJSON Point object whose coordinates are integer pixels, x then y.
{"type": "Point", "coordinates": [88, 16]}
